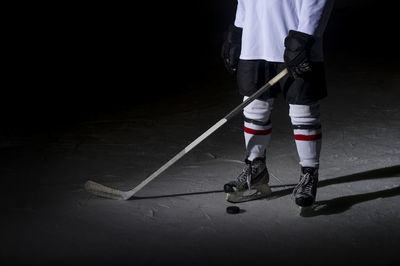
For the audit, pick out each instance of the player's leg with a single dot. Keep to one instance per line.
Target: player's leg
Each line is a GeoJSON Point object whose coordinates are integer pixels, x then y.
{"type": "Point", "coordinates": [254, 177]}
{"type": "Point", "coordinates": [252, 182]}
{"type": "Point", "coordinates": [303, 95]}
{"type": "Point", "coordinates": [307, 133]}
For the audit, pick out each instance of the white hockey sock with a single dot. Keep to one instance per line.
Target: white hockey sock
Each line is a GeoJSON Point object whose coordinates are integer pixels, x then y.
{"type": "Point", "coordinates": [307, 133]}
{"type": "Point", "coordinates": [256, 138]}
{"type": "Point", "coordinates": [257, 127]}
{"type": "Point", "coordinates": [308, 143]}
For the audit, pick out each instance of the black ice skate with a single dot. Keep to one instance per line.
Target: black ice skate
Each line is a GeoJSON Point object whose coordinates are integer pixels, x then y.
{"type": "Point", "coordinates": [251, 184]}
{"type": "Point", "coordinates": [305, 192]}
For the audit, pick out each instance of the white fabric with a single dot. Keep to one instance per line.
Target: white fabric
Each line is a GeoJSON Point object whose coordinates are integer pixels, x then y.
{"type": "Point", "coordinates": [258, 110]}
{"type": "Point", "coordinates": [266, 23]}
{"type": "Point", "coordinates": [308, 150]}
{"type": "Point", "coordinates": [304, 114]}
{"type": "Point", "coordinates": [256, 144]}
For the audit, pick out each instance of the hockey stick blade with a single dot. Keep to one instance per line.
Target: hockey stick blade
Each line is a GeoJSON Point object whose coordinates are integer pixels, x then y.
{"type": "Point", "coordinates": [104, 191]}
{"type": "Point", "coordinates": [111, 193]}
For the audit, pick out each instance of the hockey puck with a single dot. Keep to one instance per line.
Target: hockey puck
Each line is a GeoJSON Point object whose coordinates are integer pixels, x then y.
{"type": "Point", "coordinates": [232, 209]}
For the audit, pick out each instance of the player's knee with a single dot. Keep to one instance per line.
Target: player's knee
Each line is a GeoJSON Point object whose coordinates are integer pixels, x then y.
{"type": "Point", "coordinates": [258, 110]}
{"type": "Point", "coordinates": [304, 114]}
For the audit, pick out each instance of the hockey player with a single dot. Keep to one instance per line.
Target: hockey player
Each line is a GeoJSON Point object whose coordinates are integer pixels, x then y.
{"type": "Point", "coordinates": [268, 36]}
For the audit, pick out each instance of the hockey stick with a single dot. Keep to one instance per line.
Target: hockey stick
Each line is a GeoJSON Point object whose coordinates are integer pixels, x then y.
{"type": "Point", "coordinates": [107, 192]}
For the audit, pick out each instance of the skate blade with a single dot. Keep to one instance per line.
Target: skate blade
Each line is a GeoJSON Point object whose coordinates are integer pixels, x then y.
{"type": "Point", "coordinates": [257, 192]}
{"type": "Point", "coordinates": [306, 211]}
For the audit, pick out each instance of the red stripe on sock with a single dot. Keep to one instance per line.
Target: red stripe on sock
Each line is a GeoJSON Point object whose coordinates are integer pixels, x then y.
{"type": "Point", "coordinates": [257, 132]}
{"type": "Point", "coordinates": [308, 137]}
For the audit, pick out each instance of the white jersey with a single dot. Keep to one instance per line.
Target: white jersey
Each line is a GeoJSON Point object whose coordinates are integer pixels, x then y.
{"type": "Point", "coordinates": [266, 23]}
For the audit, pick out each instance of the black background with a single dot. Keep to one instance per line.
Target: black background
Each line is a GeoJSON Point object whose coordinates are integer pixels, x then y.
{"type": "Point", "coordinates": [70, 62]}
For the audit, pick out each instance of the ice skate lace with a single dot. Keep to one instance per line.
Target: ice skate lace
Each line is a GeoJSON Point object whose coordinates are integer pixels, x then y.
{"type": "Point", "coordinates": [246, 175]}
{"type": "Point", "coordinates": [306, 184]}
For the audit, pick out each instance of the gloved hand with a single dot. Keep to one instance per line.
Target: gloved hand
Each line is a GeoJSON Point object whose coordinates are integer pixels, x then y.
{"type": "Point", "coordinates": [297, 53]}
{"type": "Point", "coordinates": [231, 48]}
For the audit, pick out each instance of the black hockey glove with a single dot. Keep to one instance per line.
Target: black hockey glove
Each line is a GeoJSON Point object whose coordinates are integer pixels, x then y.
{"type": "Point", "coordinates": [231, 48]}
{"type": "Point", "coordinates": [297, 53]}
